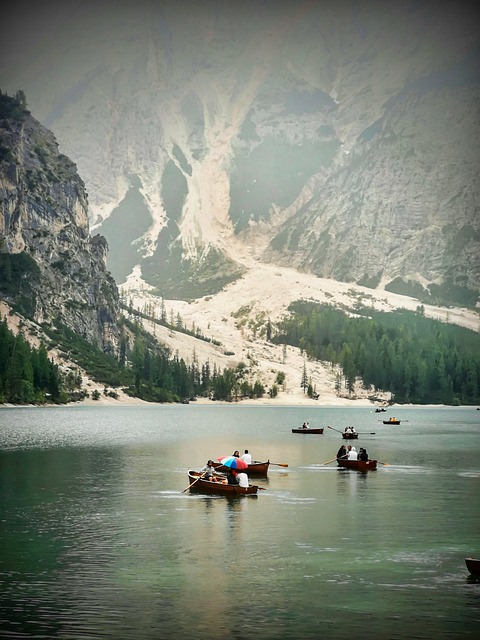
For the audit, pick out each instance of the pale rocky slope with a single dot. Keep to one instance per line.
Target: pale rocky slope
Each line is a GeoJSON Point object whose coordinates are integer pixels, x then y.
{"type": "Point", "coordinates": [266, 291]}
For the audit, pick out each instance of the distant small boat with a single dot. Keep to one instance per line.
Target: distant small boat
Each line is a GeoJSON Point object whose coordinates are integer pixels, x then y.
{"type": "Point", "coordinates": [349, 435]}
{"type": "Point", "coordinates": [391, 421]}
{"type": "Point", "coordinates": [381, 410]}
{"type": "Point", "coordinates": [357, 465]}
{"type": "Point", "coordinates": [307, 430]}
{"type": "Point", "coordinates": [473, 565]}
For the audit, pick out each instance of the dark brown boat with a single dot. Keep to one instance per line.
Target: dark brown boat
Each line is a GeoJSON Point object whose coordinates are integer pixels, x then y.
{"type": "Point", "coordinates": [307, 430]}
{"type": "Point", "coordinates": [349, 436]}
{"type": "Point", "coordinates": [255, 468]}
{"type": "Point", "coordinates": [391, 421]}
{"type": "Point", "coordinates": [357, 465]}
{"type": "Point", "coordinates": [197, 483]}
{"type": "Point", "coordinates": [473, 565]}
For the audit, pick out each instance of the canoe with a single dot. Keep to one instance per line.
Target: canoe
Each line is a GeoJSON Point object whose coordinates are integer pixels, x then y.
{"type": "Point", "coordinates": [357, 465]}
{"type": "Point", "coordinates": [391, 421]}
{"type": "Point", "coordinates": [256, 468]}
{"type": "Point", "coordinates": [473, 565]}
{"type": "Point", "coordinates": [307, 430]}
{"type": "Point", "coordinates": [349, 436]}
{"type": "Point", "coordinates": [207, 486]}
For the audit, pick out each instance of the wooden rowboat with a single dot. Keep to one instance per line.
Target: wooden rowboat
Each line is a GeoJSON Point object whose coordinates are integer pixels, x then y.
{"type": "Point", "coordinates": [255, 468]}
{"type": "Point", "coordinates": [307, 430]}
{"type": "Point", "coordinates": [391, 421]}
{"type": "Point", "coordinates": [357, 465]}
{"type": "Point", "coordinates": [473, 565]}
{"type": "Point", "coordinates": [197, 483]}
{"type": "Point", "coordinates": [349, 436]}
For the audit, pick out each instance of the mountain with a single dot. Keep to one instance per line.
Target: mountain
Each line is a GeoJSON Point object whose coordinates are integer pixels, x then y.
{"type": "Point", "coordinates": [53, 272]}
{"type": "Point", "coordinates": [51, 269]}
{"type": "Point", "coordinates": [336, 138]}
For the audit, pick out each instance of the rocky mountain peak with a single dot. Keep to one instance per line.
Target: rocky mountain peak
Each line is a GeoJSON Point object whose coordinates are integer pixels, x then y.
{"type": "Point", "coordinates": [52, 268]}
{"type": "Point", "coordinates": [336, 138]}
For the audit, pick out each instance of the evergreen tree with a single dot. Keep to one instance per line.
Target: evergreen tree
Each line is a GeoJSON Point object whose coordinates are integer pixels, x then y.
{"type": "Point", "coordinates": [304, 382]}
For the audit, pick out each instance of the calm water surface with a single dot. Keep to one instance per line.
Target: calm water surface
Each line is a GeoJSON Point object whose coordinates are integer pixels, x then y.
{"type": "Point", "coordinates": [97, 539]}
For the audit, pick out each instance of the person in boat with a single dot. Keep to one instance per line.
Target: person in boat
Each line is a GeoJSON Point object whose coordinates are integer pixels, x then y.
{"type": "Point", "coordinates": [305, 425]}
{"type": "Point", "coordinates": [342, 452]}
{"type": "Point", "coordinates": [247, 457]}
{"type": "Point", "coordinates": [352, 453]}
{"type": "Point", "coordinates": [363, 454]}
{"type": "Point", "coordinates": [242, 479]}
{"type": "Point", "coordinates": [209, 471]}
{"type": "Point", "coordinates": [236, 454]}
{"type": "Point", "coordinates": [232, 477]}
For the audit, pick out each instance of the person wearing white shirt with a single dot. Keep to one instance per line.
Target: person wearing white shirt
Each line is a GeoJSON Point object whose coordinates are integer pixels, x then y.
{"type": "Point", "coordinates": [247, 457]}
{"type": "Point", "coordinates": [352, 454]}
{"type": "Point", "coordinates": [242, 479]}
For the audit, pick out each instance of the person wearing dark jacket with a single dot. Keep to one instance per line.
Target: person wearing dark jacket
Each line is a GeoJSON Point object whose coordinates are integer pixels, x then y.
{"type": "Point", "coordinates": [363, 455]}
{"type": "Point", "coordinates": [232, 477]}
{"type": "Point", "coordinates": [342, 452]}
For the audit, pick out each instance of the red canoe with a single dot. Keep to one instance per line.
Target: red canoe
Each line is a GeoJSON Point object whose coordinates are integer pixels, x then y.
{"type": "Point", "coordinates": [197, 483]}
{"type": "Point", "coordinates": [357, 465]}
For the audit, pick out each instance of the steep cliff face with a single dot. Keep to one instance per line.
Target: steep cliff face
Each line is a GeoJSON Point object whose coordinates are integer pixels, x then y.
{"type": "Point", "coordinates": [51, 265]}
{"type": "Point", "coordinates": [338, 138]}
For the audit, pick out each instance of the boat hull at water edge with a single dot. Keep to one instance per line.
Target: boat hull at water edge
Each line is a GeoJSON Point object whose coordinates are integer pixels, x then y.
{"type": "Point", "coordinates": [358, 465]}
{"type": "Point", "coordinates": [207, 486]}
{"type": "Point", "coordinates": [308, 430]}
{"type": "Point", "coordinates": [350, 436]}
{"type": "Point", "coordinates": [391, 421]}
{"type": "Point", "coordinates": [254, 469]}
{"type": "Point", "coordinates": [473, 565]}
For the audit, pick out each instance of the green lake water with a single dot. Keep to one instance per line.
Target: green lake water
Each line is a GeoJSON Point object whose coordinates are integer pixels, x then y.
{"type": "Point", "coordinates": [97, 539]}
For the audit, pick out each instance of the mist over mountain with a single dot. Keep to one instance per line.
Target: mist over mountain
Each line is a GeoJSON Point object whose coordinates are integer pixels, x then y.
{"type": "Point", "coordinates": [337, 138]}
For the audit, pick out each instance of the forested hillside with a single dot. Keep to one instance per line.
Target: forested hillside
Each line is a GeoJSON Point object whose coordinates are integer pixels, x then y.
{"type": "Point", "coordinates": [144, 369]}
{"type": "Point", "coordinates": [418, 359]}
{"type": "Point", "coordinates": [27, 374]}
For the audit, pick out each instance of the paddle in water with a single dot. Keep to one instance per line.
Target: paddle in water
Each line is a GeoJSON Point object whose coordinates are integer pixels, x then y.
{"type": "Point", "coordinates": [329, 461]}
{"type": "Point", "coordinates": [191, 485]}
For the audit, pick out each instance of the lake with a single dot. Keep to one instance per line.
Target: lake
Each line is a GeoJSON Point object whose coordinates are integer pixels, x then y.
{"type": "Point", "coordinates": [98, 539]}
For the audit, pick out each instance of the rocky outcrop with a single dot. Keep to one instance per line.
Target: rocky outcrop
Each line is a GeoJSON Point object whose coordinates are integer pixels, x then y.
{"type": "Point", "coordinates": [44, 220]}
{"type": "Point", "coordinates": [340, 139]}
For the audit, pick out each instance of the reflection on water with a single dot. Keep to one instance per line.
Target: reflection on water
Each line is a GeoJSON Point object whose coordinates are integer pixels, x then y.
{"type": "Point", "coordinates": [98, 540]}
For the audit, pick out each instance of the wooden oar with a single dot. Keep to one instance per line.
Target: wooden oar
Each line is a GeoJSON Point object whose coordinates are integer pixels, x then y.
{"type": "Point", "coordinates": [277, 464]}
{"type": "Point", "coordinates": [385, 464]}
{"type": "Point", "coordinates": [334, 429]}
{"type": "Point", "coordinates": [329, 461]}
{"type": "Point", "coordinates": [191, 485]}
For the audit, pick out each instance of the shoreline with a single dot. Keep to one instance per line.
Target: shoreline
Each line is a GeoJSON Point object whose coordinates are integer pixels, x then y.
{"type": "Point", "coordinates": [340, 403]}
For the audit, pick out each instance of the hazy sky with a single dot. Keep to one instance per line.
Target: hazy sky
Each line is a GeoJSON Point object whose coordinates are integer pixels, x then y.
{"type": "Point", "coordinates": [27, 22]}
